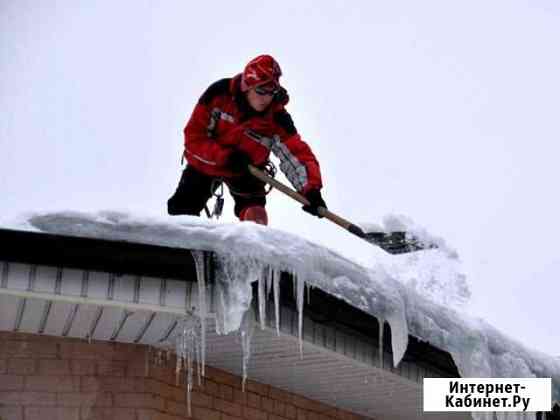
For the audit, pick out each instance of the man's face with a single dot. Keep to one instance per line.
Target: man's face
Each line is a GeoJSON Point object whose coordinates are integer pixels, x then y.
{"type": "Point", "coordinates": [260, 97]}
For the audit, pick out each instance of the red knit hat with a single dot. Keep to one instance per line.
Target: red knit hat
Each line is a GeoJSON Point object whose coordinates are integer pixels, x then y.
{"type": "Point", "coordinates": [260, 70]}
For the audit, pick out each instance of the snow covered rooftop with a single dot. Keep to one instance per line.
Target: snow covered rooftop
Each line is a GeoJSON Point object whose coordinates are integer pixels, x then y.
{"type": "Point", "coordinates": [427, 308]}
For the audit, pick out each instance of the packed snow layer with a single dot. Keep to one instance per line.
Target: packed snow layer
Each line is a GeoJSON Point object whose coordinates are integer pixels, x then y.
{"type": "Point", "coordinates": [409, 292]}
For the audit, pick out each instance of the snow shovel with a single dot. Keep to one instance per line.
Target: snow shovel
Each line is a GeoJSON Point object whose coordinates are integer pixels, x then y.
{"type": "Point", "coordinates": [392, 242]}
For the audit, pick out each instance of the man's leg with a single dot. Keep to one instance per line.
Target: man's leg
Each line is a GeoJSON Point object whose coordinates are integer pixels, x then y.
{"type": "Point", "coordinates": [255, 214]}
{"type": "Point", "coordinates": [250, 199]}
{"type": "Point", "coordinates": [192, 193]}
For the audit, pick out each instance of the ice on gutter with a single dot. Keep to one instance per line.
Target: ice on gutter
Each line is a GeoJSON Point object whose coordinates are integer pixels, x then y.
{"type": "Point", "coordinates": [393, 289]}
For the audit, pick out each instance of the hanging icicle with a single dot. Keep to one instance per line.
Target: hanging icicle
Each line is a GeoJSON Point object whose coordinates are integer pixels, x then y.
{"type": "Point", "coordinates": [188, 349]}
{"type": "Point", "coordinates": [300, 288]}
{"type": "Point", "coordinates": [246, 332]}
{"type": "Point", "coordinates": [381, 328]}
{"type": "Point", "coordinates": [276, 283]}
{"type": "Point", "coordinates": [269, 277]}
{"type": "Point", "coordinates": [200, 259]}
{"type": "Point", "coordinates": [262, 298]}
{"type": "Point", "coordinates": [178, 366]}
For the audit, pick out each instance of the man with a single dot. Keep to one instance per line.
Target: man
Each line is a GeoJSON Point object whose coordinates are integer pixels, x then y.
{"type": "Point", "coordinates": [238, 121]}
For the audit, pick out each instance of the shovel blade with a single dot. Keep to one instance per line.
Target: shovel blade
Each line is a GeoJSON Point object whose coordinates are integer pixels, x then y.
{"type": "Point", "coordinates": [397, 242]}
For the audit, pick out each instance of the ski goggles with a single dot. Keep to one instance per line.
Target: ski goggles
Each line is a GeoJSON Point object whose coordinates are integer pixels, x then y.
{"type": "Point", "coordinates": [269, 89]}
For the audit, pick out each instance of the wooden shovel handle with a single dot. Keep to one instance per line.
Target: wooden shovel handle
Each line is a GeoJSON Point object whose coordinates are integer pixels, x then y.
{"type": "Point", "coordinates": [300, 198]}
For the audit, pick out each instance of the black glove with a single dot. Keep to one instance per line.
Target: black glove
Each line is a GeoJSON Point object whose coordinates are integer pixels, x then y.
{"type": "Point", "coordinates": [239, 161]}
{"type": "Point", "coordinates": [315, 200]}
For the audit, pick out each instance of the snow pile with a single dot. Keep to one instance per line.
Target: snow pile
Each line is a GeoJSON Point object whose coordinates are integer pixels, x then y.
{"type": "Point", "coordinates": [436, 275]}
{"type": "Point", "coordinates": [401, 223]}
{"type": "Point", "coordinates": [394, 290]}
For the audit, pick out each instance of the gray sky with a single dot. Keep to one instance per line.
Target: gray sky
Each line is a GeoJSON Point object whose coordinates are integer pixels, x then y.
{"type": "Point", "coordinates": [443, 111]}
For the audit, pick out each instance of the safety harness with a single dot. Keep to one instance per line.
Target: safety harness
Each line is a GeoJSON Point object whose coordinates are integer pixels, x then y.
{"type": "Point", "coordinates": [217, 190]}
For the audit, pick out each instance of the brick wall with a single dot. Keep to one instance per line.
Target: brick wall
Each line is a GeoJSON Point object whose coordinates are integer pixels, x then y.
{"type": "Point", "coordinates": [49, 378]}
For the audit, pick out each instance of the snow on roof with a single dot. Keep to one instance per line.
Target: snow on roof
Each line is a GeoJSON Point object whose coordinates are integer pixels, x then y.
{"type": "Point", "coordinates": [416, 294]}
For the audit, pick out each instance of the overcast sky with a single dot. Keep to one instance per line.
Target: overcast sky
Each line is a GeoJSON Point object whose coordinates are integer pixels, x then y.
{"type": "Point", "coordinates": [444, 111]}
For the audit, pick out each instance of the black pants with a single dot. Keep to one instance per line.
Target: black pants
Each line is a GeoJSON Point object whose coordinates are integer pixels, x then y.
{"type": "Point", "coordinates": [196, 188]}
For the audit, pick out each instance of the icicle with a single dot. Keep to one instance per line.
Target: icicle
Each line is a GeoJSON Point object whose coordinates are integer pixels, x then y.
{"type": "Point", "coordinates": [269, 277]}
{"type": "Point", "coordinates": [199, 364]}
{"type": "Point", "coordinates": [381, 328]}
{"type": "Point", "coordinates": [199, 258]}
{"type": "Point", "coordinates": [399, 335]}
{"type": "Point", "coordinates": [187, 344]}
{"type": "Point", "coordinates": [308, 290]}
{"type": "Point", "coordinates": [219, 307]}
{"type": "Point", "coordinates": [262, 300]}
{"type": "Point", "coordinates": [276, 283]}
{"type": "Point", "coordinates": [299, 300]}
{"type": "Point", "coordinates": [178, 369]}
{"type": "Point", "coordinates": [246, 332]}
{"type": "Point", "coordinates": [189, 381]}
{"type": "Point", "coordinates": [234, 277]}
{"type": "Point", "coordinates": [189, 405]}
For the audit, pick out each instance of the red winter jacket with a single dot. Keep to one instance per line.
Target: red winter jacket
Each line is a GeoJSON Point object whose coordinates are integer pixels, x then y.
{"type": "Point", "coordinates": [223, 121]}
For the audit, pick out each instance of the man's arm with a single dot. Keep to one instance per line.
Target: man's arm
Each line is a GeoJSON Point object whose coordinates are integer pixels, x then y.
{"type": "Point", "coordinates": [199, 144]}
{"type": "Point", "coordinates": [297, 160]}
